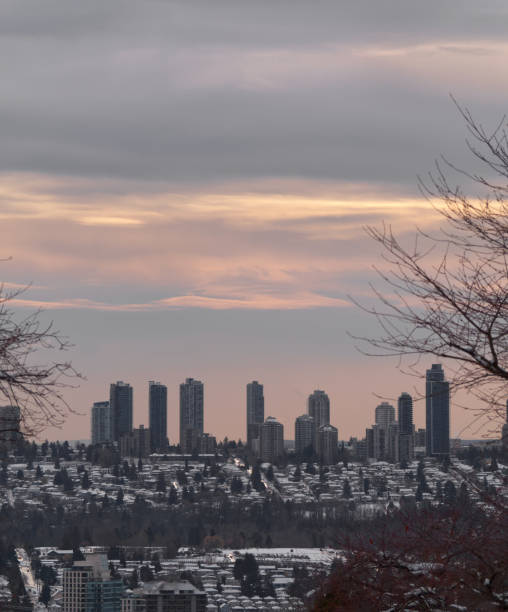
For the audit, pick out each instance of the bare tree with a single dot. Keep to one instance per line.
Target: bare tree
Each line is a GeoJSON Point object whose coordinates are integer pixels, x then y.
{"type": "Point", "coordinates": [30, 380]}
{"type": "Point", "coordinates": [446, 294]}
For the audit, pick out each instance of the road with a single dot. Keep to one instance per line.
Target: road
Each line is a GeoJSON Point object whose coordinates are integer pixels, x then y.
{"type": "Point", "coordinates": [31, 586]}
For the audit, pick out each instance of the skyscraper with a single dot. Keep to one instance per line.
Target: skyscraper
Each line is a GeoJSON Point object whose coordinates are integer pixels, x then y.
{"type": "Point", "coordinates": [328, 444]}
{"type": "Point", "coordinates": [158, 415]}
{"type": "Point", "coordinates": [319, 409]}
{"type": "Point", "coordinates": [191, 414]}
{"type": "Point", "coordinates": [255, 410]}
{"type": "Point", "coordinates": [385, 414]}
{"type": "Point", "coordinates": [120, 406]}
{"type": "Point", "coordinates": [101, 423]}
{"type": "Point", "coordinates": [272, 440]}
{"type": "Point", "coordinates": [304, 434]}
{"type": "Point", "coordinates": [437, 404]}
{"type": "Point", "coordinates": [406, 427]}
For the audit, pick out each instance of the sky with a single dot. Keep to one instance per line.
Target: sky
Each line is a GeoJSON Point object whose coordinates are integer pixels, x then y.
{"type": "Point", "coordinates": [185, 185]}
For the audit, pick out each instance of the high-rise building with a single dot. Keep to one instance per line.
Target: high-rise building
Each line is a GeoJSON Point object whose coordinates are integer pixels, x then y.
{"type": "Point", "coordinates": [437, 404]}
{"type": "Point", "coordinates": [101, 423]}
{"type": "Point", "coordinates": [379, 435]}
{"type": "Point", "coordinates": [136, 443]}
{"type": "Point", "coordinates": [207, 444]}
{"type": "Point", "coordinates": [158, 415]}
{"type": "Point", "coordinates": [304, 434]}
{"type": "Point", "coordinates": [191, 414]}
{"type": "Point", "coordinates": [255, 411]}
{"type": "Point", "coordinates": [87, 586]}
{"type": "Point", "coordinates": [318, 407]}
{"type": "Point", "coordinates": [392, 442]}
{"type": "Point", "coordinates": [10, 419]}
{"type": "Point", "coordinates": [406, 427]}
{"type": "Point", "coordinates": [272, 440]}
{"type": "Point", "coordinates": [328, 444]}
{"type": "Point", "coordinates": [120, 406]}
{"type": "Point", "coordinates": [369, 443]}
{"type": "Point", "coordinates": [385, 414]}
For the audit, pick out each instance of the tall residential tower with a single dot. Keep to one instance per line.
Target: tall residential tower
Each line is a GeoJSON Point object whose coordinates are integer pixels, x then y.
{"type": "Point", "coordinates": [158, 415]}
{"type": "Point", "coordinates": [191, 414]}
{"type": "Point", "coordinates": [437, 405]}
{"type": "Point", "coordinates": [120, 406]}
{"type": "Point", "coordinates": [255, 411]}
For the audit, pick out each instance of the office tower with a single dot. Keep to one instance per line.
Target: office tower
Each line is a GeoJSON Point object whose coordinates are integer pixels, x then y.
{"type": "Point", "coordinates": [161, 596]}
{"type": "Point", "coordinates": [304, 435]}
{"type": "Point", "coordinates": [385, 414]}
{"type": "Point", "coordinates": [437, 404]}
{"type": "Point", "coordinates": [136, 443]}
{"type": "Point", "coordinates": [88, 586]}
{"type": "Point", "coordinates": [191, 414]}
{"type": "Point", "coordinates": [328, 443]}
{"type": "Point", "coordinates": [101, 421]}
{"type": "Point", "coordinates": [158, 415]}
{"type": "Point", "coordinates": [10, 418]}
{"type": "Point", "coordinates": [120, 405]}
{"type": "Point", "coordinates": [255, 411]}
{"type": "Point", "coordinates": [319, 409]}
{"type": "Point", "coordinates": [406, 427]}
{"type": "Point", "coordinates": [272, 440]}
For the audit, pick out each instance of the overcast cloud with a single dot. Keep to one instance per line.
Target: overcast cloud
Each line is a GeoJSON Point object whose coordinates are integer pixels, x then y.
{"type": "Point", "coordinates": [209, 166]}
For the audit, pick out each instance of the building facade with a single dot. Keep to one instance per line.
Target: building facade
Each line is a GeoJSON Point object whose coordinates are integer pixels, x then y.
{"type": "Point", "coordinates": [88, 587]}
{"type": "Point", "coordinates": [161, 596]}
{"type": "Point", "coordinates": [158, 416]}
{"type": "Point", "coordinates": [271, 440]}
{"type": "Point", "coordinates": [101, 423]}
{"type": "Point", "coordinates": [191, 414]}
{"type": "Point", "coordinates": [120, 405]}
{"type": "Point", "coordinates": [437, 409]}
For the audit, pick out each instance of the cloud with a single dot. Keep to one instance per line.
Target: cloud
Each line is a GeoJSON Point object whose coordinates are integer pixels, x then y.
{"type": "Point", "coordinates": [302, 300]}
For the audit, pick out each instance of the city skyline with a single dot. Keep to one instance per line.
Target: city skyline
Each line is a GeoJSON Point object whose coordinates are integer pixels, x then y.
{"type": "Point", "coordinates": [397, 428]}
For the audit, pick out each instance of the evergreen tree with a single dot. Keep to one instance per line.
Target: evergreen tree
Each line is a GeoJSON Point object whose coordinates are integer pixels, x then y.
{"type": "Point", "coordinates": [85, 481]}
{"type": "Point", "coordinates": [45, 595]}
{"type": "Point", "coordinates": [161, 483]}
{"type": "Point", "coordinates": [346, 491]}
{"type": "Point", "coordinates": [119, 497]}
{"type": "Point", "coordinates": [146, 574]}
{"type": "Point", "coordinates": [449, 493]}
{"type": "Point", "coordinates": [173, 496]}
{"type": "Point", "coordinates": [236, 485]}
{"type": "Point", "coordinates": [133, 580]}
